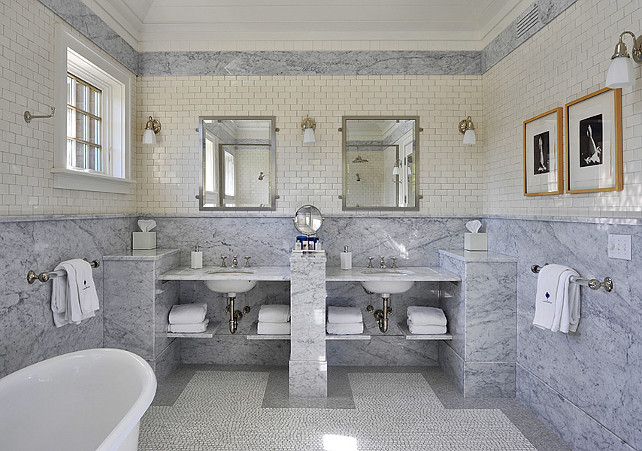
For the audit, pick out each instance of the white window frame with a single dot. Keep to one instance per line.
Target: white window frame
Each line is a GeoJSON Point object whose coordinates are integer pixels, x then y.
{"type": "Point", "coordinates": [74, 54]}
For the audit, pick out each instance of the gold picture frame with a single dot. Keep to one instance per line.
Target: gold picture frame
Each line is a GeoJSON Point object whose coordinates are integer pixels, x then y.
{"type": "Point", "coordinates": [543, 154]}
{"type": "Point", "coordinates": [594, 142]}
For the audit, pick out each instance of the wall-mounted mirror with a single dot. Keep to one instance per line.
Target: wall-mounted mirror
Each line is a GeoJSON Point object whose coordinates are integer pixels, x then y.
{"type": "Point", "coordinates": [380, 163]}
{"type": "Point", "coordinates": [308, 220]}
{"type": "Point", "coordinates": [239, 163]}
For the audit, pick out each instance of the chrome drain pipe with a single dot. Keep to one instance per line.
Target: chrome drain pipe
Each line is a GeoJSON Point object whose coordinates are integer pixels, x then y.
{"type": "Point", "coordinates": [382, 315]}
{"type": "Point", "coordinates": [235, 315]}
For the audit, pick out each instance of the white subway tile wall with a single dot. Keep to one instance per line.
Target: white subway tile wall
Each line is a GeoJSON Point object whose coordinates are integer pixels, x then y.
{"type": "Point", "coordinates": [168, 174]}
{"type": "Point", "coordinates": [564, 61]}
{"type": "Point", "coordinates": [26, 150]}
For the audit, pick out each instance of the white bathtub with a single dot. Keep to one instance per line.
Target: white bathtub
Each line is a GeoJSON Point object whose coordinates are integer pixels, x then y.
{"type": "Point", "coordinates": [85, 400]}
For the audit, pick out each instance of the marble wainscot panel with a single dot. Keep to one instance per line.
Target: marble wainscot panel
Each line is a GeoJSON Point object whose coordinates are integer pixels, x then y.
{"type": "Point", "coordinates": [27, 331]}
{"type": "Point", "coordinates": [595, 371]}
{"type": "Point", "coordinates": [310, 63]}
{"type": "Point", "coordinates": [137, 305]}
{"type": "Point", "coordinates": [482, 319]}
{"type": "Point", "coordinates": [308, 364]}
{"type": "Point", "coordinates": [83, 19]}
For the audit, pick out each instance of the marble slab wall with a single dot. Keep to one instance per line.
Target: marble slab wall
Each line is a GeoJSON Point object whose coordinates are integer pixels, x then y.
{"type": "Point", "coordinates": [481, 310]}
{"type": "Point", "coordinates": [591, 376]}
{"type": "Point", "coordinates": [27, 332]}
{"type": "Point", "coordinates": [137, 306]}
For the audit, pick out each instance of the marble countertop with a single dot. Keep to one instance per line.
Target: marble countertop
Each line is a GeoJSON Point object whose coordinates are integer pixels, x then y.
{"type": "Point", "coordinates": [270, 273]}
{"type": "Point", "coordinates": [414, 273]}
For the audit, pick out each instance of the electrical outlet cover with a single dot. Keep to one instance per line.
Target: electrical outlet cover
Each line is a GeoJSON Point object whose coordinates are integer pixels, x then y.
{"type": "Point", "coordinates": [619, 246]}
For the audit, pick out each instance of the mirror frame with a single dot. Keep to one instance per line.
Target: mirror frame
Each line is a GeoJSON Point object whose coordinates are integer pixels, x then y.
{"type": "Point", "coordinates": [344, 161]}
{"type": "Point", "coordinates": [296, 226]}
{"type": "Point", "coordinates": [272, 185]}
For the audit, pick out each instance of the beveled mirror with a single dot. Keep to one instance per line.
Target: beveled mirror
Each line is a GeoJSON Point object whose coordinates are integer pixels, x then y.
{"type": "Point", "coordinates": [238, 163]}
{"type": "Point", "coordinates": [380, 163]}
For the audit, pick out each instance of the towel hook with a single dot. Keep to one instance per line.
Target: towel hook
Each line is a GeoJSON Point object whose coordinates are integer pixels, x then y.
{"type": "Point", "coordinates": [28, 116]}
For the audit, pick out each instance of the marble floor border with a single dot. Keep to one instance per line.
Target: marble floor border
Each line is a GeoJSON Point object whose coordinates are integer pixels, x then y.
{"type": "Point", "coordinates": [340, 395]}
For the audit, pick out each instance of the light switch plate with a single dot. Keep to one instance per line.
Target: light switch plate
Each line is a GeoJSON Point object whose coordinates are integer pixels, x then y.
{"type": "Point", "coordinates": [619, 246]}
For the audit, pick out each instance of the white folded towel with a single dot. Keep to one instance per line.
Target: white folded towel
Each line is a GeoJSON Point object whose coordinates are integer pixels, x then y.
{"type": "Point", "coordinates": [424, 316]}
{"type": "Point", "coordinates": [273, 328]}
{"type": "Point", "coordinates": [344, 315]}
{"type": "Point", "coordinates": [431, 329]}
{"type": "Point", "coordinates": [557, 301]}
{"type": "Point", "coordinates": [187, 313]}
{"type": "Point", "coordinates": [188, 328]}
{"type": "Point", "coordinates": [345, 328]}
{"type": "Point", "coordinates": [73, 296]}
{"type": "Point", "coordinates": [273, 313]}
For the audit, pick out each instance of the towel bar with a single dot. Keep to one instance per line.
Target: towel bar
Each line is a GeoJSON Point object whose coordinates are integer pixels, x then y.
{"type": "Point", "coordinates": [45, 276]}
{"type": "Point", "coordinates": [593, 284]}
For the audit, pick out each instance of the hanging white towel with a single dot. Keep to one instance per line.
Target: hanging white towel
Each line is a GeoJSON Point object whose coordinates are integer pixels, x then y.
{"type": "Point", "coordinates": [567, 307]}
{"type": "Point", "coordinates": [189, 328]}
{"type": "Point", "coordinates": [73, 296]}
{"type": "Point", "coordinates": [344, 315]}
{"type": "Point", "coordinates": [273, 328]}
{"type": "Point", "coordinates": [345, 328]}
{"type": "Point", "coordinates": [426, 316]}
{"type": "Point", "coordinates": [546, 296]}
{"type": "Point", "coordinates": [273, 313]}
{"type": "Point", "coordinates": [187, 313]}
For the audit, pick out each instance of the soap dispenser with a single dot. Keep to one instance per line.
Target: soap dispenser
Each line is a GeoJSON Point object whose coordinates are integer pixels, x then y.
{"type": "Point", "coordinates": [196, 258]}
{"type": "Point", "coordinates": [346, 258]}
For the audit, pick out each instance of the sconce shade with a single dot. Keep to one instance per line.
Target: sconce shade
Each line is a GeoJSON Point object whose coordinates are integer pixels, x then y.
{"type": "Point", "coordinates": [395, 170]}
{"type": "Point", "coordinates": [621, 73]}
{"type": "Point", "coordinates": [149, 137]}
{"type": "Point", "coordinates": [308, 136]}
{"type": "Point", "coordinates": [469, 138]}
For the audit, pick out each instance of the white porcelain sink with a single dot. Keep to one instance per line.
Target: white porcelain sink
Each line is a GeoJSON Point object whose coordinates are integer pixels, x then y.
{"type": "Point", "coordinates": [233, 285]}
{"type": "Point", "coordinates": [387, 285]}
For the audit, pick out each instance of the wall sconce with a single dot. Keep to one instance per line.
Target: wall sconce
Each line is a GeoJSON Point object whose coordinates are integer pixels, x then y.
{"type": "Point", "coordinates": [152, 128]}
{"type": "Point", "coordinates": [395, 168]}
{"type": "Point", "coordinates": [358, 177]}
{"type": "Point", "coordinates": [308, 126]}
{"type": "Point", "coordinates": [261, 176]}
{"type": "Point", "coordinates": [467, 128]}
{"type": "Point", "coordinates": [621, 72]}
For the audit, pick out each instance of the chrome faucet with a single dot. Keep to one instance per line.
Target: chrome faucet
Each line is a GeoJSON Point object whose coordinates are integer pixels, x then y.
{"type": "Point", "coordinates": [247, 261]}
{"type": "Point", "coordinates": [394, 262]}
{"type": "Point", "coordinates": [382, 263]}
{"type": "Point", "coordinates": [370, 262]}
{"type": "Point", "coordinates": [235, 262]}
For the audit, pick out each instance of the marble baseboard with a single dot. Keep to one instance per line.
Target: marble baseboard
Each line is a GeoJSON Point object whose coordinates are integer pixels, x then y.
{"type": "Point", "coordinates": [234, 350]}
{"type": "Point", "coordinates": [167, 361]}
{"type": "Point", "coordinates": [308, 379]}
{"type": "Point", "coordinates": [573, 425]}
{"type": "Point", "coordinates": [382, 350]}
{"type": "Point", "coordinates": [452, 364]}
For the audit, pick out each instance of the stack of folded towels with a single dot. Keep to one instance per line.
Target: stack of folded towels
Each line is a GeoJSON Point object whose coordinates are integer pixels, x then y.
{"type": "Point", "coordinates": [344, 321]}
{"type": "Point", "coordinates": [426, 320]}
{"type": "Point", "coordinates": [188, 318]}
{"type": "Point", "coordinates": [274, 320]}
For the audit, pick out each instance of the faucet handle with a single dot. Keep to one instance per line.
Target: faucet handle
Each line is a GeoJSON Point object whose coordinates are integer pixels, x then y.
{"type": "Point", "coordinates": [247, 261]}
{"type": "Point", "coordinates": [394, 262]}
{"type": "Point", "coordinates": [370, 262]}
{"type": "Point", "coordinates": [382, 262]}
{"type": "Point", "coordinates": [223, 265]}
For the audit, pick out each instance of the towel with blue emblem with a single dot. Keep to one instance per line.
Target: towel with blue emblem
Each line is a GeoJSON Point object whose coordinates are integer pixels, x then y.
{"type": "Point", "coordinates": [73, 296]}
{"type": "Point", "coordinates": [557, 301]}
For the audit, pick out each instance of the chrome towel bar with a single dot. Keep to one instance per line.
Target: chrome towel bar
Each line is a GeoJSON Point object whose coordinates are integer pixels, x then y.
{"type": "Point", "coordinates": [45, 276]}
{"type": "Point", "coordinates": [593, 284]}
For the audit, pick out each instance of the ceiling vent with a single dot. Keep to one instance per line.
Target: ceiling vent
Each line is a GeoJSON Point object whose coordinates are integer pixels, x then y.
{"type": "Point", "coordinates": [527, 21]}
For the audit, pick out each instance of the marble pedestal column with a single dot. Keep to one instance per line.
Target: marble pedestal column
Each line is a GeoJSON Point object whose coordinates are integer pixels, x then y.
{"type": "Point", "coordinates": [308, 364]}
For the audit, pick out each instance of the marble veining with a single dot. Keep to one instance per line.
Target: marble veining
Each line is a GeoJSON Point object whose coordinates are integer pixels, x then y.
{"type": "Point", "coordinates": [598, 360]}
{"type": "Point", "coordinates": [310, 63]}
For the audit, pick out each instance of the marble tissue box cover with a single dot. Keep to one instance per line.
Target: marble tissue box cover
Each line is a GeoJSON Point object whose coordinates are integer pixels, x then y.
{"type": "Point", "coordinates": [475, 241]}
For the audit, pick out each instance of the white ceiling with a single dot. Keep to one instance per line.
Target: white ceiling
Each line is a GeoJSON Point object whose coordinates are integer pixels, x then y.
{"type": "Point", "coordinates": [154, 25]}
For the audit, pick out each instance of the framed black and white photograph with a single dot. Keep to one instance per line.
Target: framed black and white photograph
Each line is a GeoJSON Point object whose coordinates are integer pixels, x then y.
{"type": "Point", "coordinates": [543, 154]}
{"type": "Point", "coordinates": [594, 142]}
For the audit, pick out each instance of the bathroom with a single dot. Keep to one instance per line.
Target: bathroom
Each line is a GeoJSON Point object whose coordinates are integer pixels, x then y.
{"type": "Point", "coordinates": [581, 389]}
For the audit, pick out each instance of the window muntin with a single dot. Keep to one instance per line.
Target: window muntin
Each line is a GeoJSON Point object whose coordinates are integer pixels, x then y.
{"type": "Point", "coordinates": [84, 125]}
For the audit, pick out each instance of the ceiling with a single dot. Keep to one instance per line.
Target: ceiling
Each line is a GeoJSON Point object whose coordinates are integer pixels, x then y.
{"type": "Point", "coordinates": [157, 25]}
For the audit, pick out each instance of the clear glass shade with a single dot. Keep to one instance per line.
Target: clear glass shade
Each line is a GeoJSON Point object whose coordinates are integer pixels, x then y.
{"type": "Point", "coordinates": [308, 136]}
{"type": "Point", "coordinates": [469, 138]}
{"type": "Point", "coordinates": [149, 137]}
{"type": "Point", "coordinates": [621, 73]}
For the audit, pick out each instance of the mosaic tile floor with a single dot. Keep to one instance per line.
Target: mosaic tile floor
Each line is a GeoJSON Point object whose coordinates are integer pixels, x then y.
{"type": "Point", "coordinates": [368, 409]}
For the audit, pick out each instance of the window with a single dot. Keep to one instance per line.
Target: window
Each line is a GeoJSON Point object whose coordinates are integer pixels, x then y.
{"type": "Point", "coordinates": [93, 139]}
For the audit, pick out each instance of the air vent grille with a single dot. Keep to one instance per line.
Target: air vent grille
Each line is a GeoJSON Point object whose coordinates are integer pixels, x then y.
{"type": "Point", "coordinates": [528, 21]}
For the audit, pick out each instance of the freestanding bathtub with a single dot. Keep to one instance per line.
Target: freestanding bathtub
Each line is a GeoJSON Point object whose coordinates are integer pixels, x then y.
{"type": "Point", "coordinates": [85, 400]}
